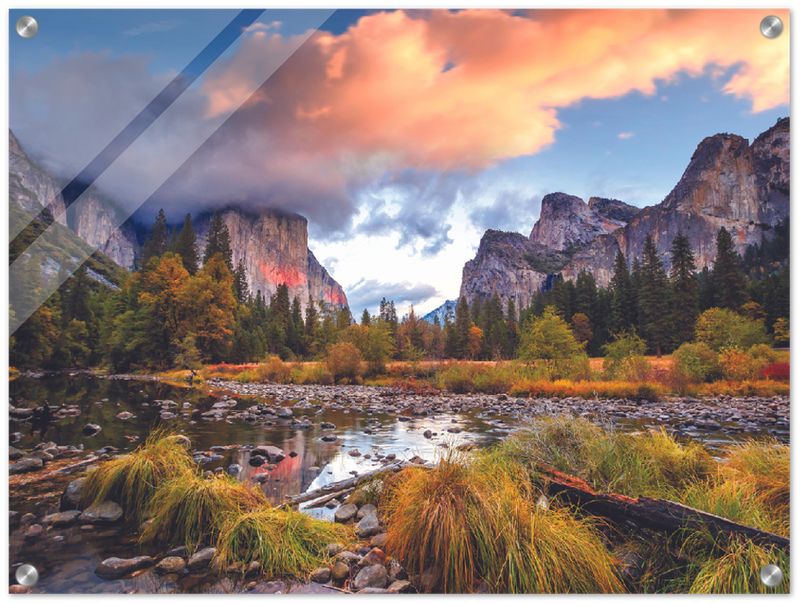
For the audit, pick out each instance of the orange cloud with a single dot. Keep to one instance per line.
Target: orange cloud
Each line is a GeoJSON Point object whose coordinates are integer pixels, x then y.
{"type": "Point", "coordinates": [465, 90]}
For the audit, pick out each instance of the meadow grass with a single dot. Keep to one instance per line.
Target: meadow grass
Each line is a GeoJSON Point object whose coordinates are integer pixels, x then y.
{"type": "Point", "coordinates": [132, 480]}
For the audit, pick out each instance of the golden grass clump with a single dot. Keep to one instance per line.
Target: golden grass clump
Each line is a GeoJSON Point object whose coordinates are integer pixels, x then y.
{"type": "Point", "coordinates": [285, 543]}
{"type": "Point", "coordinates": [647, 463]}
{"type": "Point", "coordinates": [189, 509]}
{"type": "Point", "coordinates": [132, 480]}
{"type": "Point", "coordinates": [733, 567]}
{"type": "Point", "coordinates": [475, 520]}
{"type": "Point", "coordinates": [751, 487]}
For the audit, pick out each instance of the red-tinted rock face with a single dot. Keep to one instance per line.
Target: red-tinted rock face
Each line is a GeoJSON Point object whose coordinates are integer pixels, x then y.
{"type": "Point", "coordinates": [273, 246]}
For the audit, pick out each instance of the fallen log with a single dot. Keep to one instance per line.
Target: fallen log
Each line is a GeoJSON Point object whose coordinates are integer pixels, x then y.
{"type": "Point", "coordinates": [342, 485]}
{"type": "Point", "coordinates": [656, 514]}
{"type": "Point", "coordinates": [323, 500]}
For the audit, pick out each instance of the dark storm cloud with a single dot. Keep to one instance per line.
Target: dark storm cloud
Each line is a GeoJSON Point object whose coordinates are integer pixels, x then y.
{"type": "Point", "coordinates": [416, 206]}
{"type": "Point", "coordinates": [368, 293]}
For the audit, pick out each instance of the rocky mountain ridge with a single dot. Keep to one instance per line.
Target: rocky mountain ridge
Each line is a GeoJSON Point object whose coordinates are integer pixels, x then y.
{"type": "Point", "coordinates": [273, 245]}
{"type": "Point", "coordinates": [728, 182]}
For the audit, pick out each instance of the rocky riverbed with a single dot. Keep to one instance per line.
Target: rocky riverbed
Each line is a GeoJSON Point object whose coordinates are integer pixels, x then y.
{"type": "Point", "coordinates": [287, 439]}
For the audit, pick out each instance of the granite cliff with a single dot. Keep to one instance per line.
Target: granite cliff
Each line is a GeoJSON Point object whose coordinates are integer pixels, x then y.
{"type": "Point", "coordinates": [273, 246]}
{"type": "Point", "coordinates": [728, 182]}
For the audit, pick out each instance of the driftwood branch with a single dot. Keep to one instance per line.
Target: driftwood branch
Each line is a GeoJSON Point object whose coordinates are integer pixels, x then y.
{"type": "Point", "coordinates": [323, 500]}
{"type": "Point", "coordinates": [656, 514]}
{"type": "Point", "coordinates": [342, 485]}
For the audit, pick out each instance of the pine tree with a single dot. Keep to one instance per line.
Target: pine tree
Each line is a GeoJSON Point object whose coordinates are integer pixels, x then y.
{"type": "Point", "coordinates": [240, 287]}
{"type": "Point", "coordinates": [512, 330]}
{"type": "Point", "coordinates": [685, 289]}
{"type": "Point", "coordinates": [158, 240]}
{"type": "Point", "coordinates": [219, 241]}
{"type": "Point", "coordinates": [654, 303]}
{"type": "Point", "coordinates": [462, 327]}
{"type": "Point", "coordinates": [186, 246]}
{"type": "Point", "coordinates": [729, 283]}
{"type": "Point", "coordinates": [365, 318]}
{"type": "Point", "coordinates": [622, 296]}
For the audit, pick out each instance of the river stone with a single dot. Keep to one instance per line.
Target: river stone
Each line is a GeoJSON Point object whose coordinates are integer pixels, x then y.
{"type": "Point", "coordinates": [321, 575]}
{"type": "Point", "coordinates": [332, 549]}
{"type": "Point", "coordinates": [27, 518]}
{"type": "Point", "coordinates": [33, 531]}
{"type": "Point", "coordinates": [348, 558]}
{"type": "Point", "coordinates": [284, 412]}
{"type": "Point", "coordinates": [257, 460]}
{"type": "Point", "coordinates": [274, 454]}
{"type": "Point", "coordinates": [114, 568]}
{"type": "Point", "coordinates": [427, 434]}
{"type": "Point", "coordinates": [104, 512]}
{"type": "Point", "coordinates": [327, 426]}
{"type": "Point", "coordinates": [62, 519]}
{"type": "Point", "coordinates": [379, 540]}
{"type": "Point", "coordinates": [373, 590]}
{"type": "Point", "coordinates": [72, 495]}
{"type": "Point", "coordinates": [368, 525]}
{"type": "Point", "coordinates": [375, 556]}
{"type": "Point", "coordinates": [340, 572]}
{"type": "Point", "coordinates": [234, 469]}
{"type": "Point", "coordinates": [43, 455]}
{"type": "Point", "coordinates": [29, 464]}
{"type": "Point", "coordinates": [366, 511]}
{"type": "Point", "coordinates": [345, 513]}
{"type": "Point", "coordinates": [171, 565]}
{"type": "Point", "coordinates": [14, 453]}
{"type": "Point", "coordinates": [371, 576]}
{"type": "Point", "coordinates": [329, 438]}
{"type": "Point", "coordinates": [400, 587]}
{"type": "Point", "coordinates": [125, 415]}
{"type": "Point", "coordinates": [91, 430]}
{"type": "Point", "coordinates": [179, 551]}
{"type": "Point", "coordinates": [201, 559]}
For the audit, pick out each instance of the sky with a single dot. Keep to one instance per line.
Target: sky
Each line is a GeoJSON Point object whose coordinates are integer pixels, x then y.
{"type": "Point", "coordinates": [401, 135]}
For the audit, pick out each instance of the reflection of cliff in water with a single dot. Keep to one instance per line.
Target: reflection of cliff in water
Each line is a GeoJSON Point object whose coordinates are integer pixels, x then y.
{"type": "Point", "coordinates": [292, 475]}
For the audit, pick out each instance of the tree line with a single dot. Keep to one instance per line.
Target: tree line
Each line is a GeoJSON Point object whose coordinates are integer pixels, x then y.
{"type": "Point", "coordinates": [182, 307]}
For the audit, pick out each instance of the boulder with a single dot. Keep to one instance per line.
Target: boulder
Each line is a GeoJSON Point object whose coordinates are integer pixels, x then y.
{"type": "Point", "coordinates": [321, 575]}
{"type": "Point", "coordinates": [366, 510]}
{"type": "Point", "coordinates": [201, 559]}
{"type": "Point", "coordinates": [368, 525]}
{"type": "Point", "coordinates": [348, 558]}
{"type": "Point", "coordinates": [332, 549]}
{"type": "Point", "coordinates": [114, 568]}
{"type": "Point", "coordinates": [274, 454]}
{"type": "Point", "coordinates": [171, 565]}
{"type": "Point", "coordinates": [72, 496]}
{"type": "Point", "coordinates": [379, 540]}
{"type": "Point", "coordinates": [371, 576]}
{"type": "Point", "coordinates": [329, 438]}
{"type": "Point", "coordinates": [374, 556]}
{"type": "Point", "coordinates": [340, 572]}
{"type": "Point", "coordinates": [105, 512]}
{"type": "Point", "coordinates": [62, 519]}
{"type": "Point", "coordinates": [91, 430]}
{"type": "Point", "coordinates": [257, 460]}
{"type": "Point", "coordinates": [29, 464]}
{"type": "Point", "coordinates": [345, 513]}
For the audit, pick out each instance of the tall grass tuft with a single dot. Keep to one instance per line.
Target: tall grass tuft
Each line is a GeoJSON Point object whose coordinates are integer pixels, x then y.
{"type": "Point", "coordinates": [286, 543]}
{"type": "Point", "coordinates": [132, 480]}
{"type": "Point", "coordinates": [189, 509]}
{"type": "Point", "coordinates": [474, 520]}
{"type": "Point", "coordinates": [650, 463]}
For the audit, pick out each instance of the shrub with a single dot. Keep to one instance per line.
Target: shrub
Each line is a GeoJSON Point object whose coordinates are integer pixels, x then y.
{"type": "Point", "coordinates": [776, 371]}
{"type": "Point", "coordinates": [344, 361]}
{"type": "Point", "coordinates": [737, 365]}
{"type": "Point", "coordinates": [624, 358]}
{"type": "Point", "coordinates": [548, 337]}
{"type": "Point", "coordinates": [696, 362]}
{"type": "Point", "coordinates": [274, 370]}
{"type": "Point", "coordinates": [722, 328]}
{"type": "Point", "coordinates": [763, 354]}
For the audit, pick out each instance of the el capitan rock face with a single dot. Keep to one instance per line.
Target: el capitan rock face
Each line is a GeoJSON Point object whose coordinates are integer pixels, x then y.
{"type": "Point", "coordinates": [728, 182]}
{"type": "Point", "coordinates": [273, 246]}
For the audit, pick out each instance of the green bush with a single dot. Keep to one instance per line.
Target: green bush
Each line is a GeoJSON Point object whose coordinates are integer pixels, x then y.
{"type": "Point", "coordinates": [696, 362]}
{"type": "Point", "coordinates": [722, 328]}
{"type": "Point", "coordinates": [548, 337]}
{"type": "Point", "coordinates": [624, 358]}
{"type": "Point", "coordinates": [274, 370]}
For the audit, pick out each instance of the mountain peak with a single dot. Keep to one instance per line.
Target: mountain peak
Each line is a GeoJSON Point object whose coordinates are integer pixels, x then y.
{"type": "Point", "coordinates": [566, 221]}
